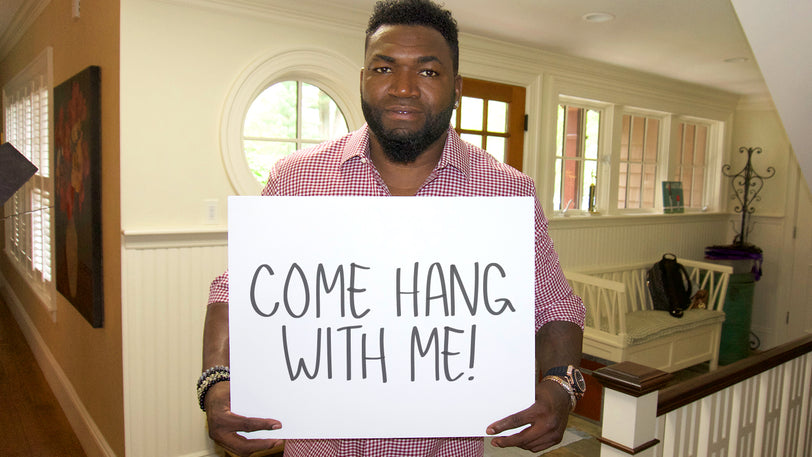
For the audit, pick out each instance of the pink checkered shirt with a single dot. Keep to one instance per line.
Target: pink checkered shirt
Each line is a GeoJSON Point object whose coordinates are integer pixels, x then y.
{"type": "Point", "coordinates": [343, 167]}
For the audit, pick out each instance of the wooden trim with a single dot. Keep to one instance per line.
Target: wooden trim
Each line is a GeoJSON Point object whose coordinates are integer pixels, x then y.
{"type": "Point", "coordinates": [628, 450]}
{"type": "Point", "coordinates": [689, 391]}
{"type": "Point", "coordinates": [632, 378]}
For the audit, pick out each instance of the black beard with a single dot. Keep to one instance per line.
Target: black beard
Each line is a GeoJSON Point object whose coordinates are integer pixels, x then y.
{"type": "Point", "coordinates": [405, 148]}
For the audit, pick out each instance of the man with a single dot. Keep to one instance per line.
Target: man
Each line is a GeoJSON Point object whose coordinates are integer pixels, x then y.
{"type": "Point", "coordinates": [409, 88]}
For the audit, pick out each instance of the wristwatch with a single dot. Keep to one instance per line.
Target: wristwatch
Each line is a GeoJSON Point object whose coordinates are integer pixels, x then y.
{"type": "Point", "coordinates": [572, 376]}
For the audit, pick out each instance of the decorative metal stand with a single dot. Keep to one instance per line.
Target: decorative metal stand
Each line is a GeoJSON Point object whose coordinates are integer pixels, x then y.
{"type": "Point", "coordinates": [747, 185]}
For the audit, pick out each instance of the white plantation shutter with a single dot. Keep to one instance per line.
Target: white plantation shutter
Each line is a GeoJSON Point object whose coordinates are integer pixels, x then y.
{"type": "Point", "coordinates": [28, 214]}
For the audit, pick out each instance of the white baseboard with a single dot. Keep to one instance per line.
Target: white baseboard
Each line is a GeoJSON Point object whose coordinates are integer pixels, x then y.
{"type": "Point", "coordinates": [89, 435]}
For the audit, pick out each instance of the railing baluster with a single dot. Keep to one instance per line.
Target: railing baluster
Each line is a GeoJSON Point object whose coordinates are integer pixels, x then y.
{"type": "Point", "coordinates": [786, 391]}
{"type": "Point", "coordinates": [735, 418]}
{"type": "Point", "coordinates": [761, 415]}
{"type": "Point", "coordinates": [803, 426]}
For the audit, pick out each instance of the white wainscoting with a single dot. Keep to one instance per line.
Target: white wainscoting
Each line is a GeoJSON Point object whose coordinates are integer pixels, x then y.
{"type": "Point", "coordinates": [165, 283]}
{"type": "Point", "coordinates": [768, 298]}
{"type": "Point", "coordinates": [589, 242]}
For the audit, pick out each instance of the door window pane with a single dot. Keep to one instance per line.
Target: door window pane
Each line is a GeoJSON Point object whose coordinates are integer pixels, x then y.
{"type": "Point", "coordinates": [497, 116]}
{"type": "Point", "coordinates": [473, 110]}
{"type": "Point", "coordinates": [476, 140]}
{"type": "Point", "coordinates": [496, 147]}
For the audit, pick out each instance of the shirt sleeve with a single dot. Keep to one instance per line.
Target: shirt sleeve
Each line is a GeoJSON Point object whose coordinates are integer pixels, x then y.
{"type": "Point", "coordinates": [218, 290]}
{"type": "Point", "coordinates": [555, 300]}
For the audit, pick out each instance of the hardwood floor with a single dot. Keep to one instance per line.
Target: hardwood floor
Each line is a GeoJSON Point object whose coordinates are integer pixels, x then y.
{"type": "Point", "coordinates": [32, 423]}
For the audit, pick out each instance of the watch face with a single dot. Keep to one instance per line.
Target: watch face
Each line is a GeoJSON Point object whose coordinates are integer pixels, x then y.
{"type": "Point", "coordinates": [580, 384]}
{"type": "Point", "coordinates": [577, 379]}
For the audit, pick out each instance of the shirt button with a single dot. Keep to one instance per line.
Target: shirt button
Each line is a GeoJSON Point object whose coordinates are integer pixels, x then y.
{"type": "Point", "coordinates": [363, 160]}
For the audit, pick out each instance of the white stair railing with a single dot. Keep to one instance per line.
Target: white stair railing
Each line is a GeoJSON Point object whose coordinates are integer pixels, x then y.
{"type": "Point", "coordinates": [759, 407]}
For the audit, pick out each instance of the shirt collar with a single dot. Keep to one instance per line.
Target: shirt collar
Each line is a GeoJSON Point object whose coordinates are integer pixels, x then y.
{"type": "Point", "coordinates": [455, 152]}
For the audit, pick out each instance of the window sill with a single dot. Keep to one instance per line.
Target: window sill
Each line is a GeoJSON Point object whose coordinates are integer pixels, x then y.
{"type": "Point", "coordinates": [616, 220]}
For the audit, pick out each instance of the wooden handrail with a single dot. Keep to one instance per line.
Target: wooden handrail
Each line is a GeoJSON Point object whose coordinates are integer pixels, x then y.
{"type": "Point", "coordinates": [691, 390]}
{"type": "Point", "coordinates": [631, 378]}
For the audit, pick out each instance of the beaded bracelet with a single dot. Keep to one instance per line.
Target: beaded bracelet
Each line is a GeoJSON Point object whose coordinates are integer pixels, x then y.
{"type": "Point", "coordinates": [210, 371]}
{"type": "Point", "coordinates": [566, 385]}
{"type": "Point", "coordinates": [209, 378]}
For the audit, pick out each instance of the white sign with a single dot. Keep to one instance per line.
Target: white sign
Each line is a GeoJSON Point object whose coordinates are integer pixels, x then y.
{"type": "Point", "coordinates": [371, 317]}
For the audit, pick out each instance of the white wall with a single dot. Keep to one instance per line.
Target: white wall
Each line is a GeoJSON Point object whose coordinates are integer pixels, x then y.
{"type": "Point", "coordinates": [178, 65]}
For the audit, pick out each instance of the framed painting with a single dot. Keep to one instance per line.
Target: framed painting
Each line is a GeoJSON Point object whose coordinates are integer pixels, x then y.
{"type": "Point", "coordinates": [77, 189]}
{"type": "Point", "coordinates": [673, 201]}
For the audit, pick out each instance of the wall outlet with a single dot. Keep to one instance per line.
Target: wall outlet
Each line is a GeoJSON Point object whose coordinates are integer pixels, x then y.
{"type": "Point", "coordinates": [211, 207]}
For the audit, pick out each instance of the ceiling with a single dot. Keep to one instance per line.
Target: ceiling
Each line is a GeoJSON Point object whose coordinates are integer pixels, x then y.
{"type": "Point", "coordinates": [687, 40]}
{"type": "Point", "coordinates": [697, 41]}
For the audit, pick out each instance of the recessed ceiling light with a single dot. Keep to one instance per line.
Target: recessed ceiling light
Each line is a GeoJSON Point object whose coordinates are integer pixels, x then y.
{"type": "Point", "coordinates": [737, 59]}
{"type": "Point", "coordinates": [598, 17]}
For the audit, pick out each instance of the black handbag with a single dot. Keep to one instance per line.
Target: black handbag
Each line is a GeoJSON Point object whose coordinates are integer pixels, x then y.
{"type": "Point", "coordinates": [669, 286]}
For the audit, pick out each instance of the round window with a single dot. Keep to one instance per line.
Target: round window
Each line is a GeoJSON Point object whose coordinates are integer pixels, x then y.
{"type": "Point", "coordinates": [285, 117]}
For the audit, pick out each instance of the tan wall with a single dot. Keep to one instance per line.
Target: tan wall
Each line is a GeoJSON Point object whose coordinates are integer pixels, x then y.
{"type": "Point", "coordinates": [762, 128]}
{"type": "Point", "coordinates": [90, 358]}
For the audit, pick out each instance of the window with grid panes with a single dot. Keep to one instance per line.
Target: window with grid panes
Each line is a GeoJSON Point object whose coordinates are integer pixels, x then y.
{"type": "Point", "coordinates": [491, 116]}
{"type": "Point", "coordinates": [285, 117]}
{"type": "Point", "coordinates": [576, 159]}
{"type": "Point", "coordinates": [692, 164]}
{"type": "Point", "coordinates": [638, 162]}
{"type": "Point", "coordinates": [28, 215]}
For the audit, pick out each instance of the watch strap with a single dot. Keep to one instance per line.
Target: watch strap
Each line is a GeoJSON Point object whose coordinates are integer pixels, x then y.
{"type": "Point", "coordinates": [572, 375]}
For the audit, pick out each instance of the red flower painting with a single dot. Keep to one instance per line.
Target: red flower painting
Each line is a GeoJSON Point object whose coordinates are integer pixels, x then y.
{"type": "Point", "coordinates": [72, 148]}
{"type": "Point", "coordinates": [77, 193]}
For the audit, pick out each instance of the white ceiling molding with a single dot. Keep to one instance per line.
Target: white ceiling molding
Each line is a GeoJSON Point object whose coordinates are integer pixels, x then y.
{"type": "Point", "coordinates": [24, 16]}
{"type": "Point", "coordinates": [335, 17]}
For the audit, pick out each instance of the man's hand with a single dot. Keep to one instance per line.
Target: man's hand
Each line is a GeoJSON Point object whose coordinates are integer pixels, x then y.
{"type": "Point", "coordinates": [547, 418]}
{"type": "Point", "coordinates": [224, 425]}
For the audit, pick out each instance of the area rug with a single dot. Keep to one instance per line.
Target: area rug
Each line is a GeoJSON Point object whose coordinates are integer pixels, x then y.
{"type": "Point", "coordinates": [571, 435]}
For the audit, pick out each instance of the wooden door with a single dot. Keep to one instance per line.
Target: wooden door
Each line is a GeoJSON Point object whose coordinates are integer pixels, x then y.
{"type": "Point", "coordinates": [491, 116]}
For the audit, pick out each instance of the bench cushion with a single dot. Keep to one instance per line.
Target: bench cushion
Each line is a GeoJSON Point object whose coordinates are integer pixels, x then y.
{"type": "Point", "coordinates": [643, 326]}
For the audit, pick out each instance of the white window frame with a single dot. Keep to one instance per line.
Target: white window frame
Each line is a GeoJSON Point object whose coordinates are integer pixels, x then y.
{"type": "Point", "coordinates": [661, 173]}
{"type": "Point", "coordinates": [713, 160]}
{"type": "Point", "coordinates": [331, 72]}
{"type": "Point", "coordinates": [667, 163]}
{"type": "Point", "coordinates": [604, 151]}
{"type": "Point", "coordinates": [27, 108]}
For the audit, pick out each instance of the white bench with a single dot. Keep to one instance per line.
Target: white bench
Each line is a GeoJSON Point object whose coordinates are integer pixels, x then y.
{"type": "Point", "coordinates": [621, 324]}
